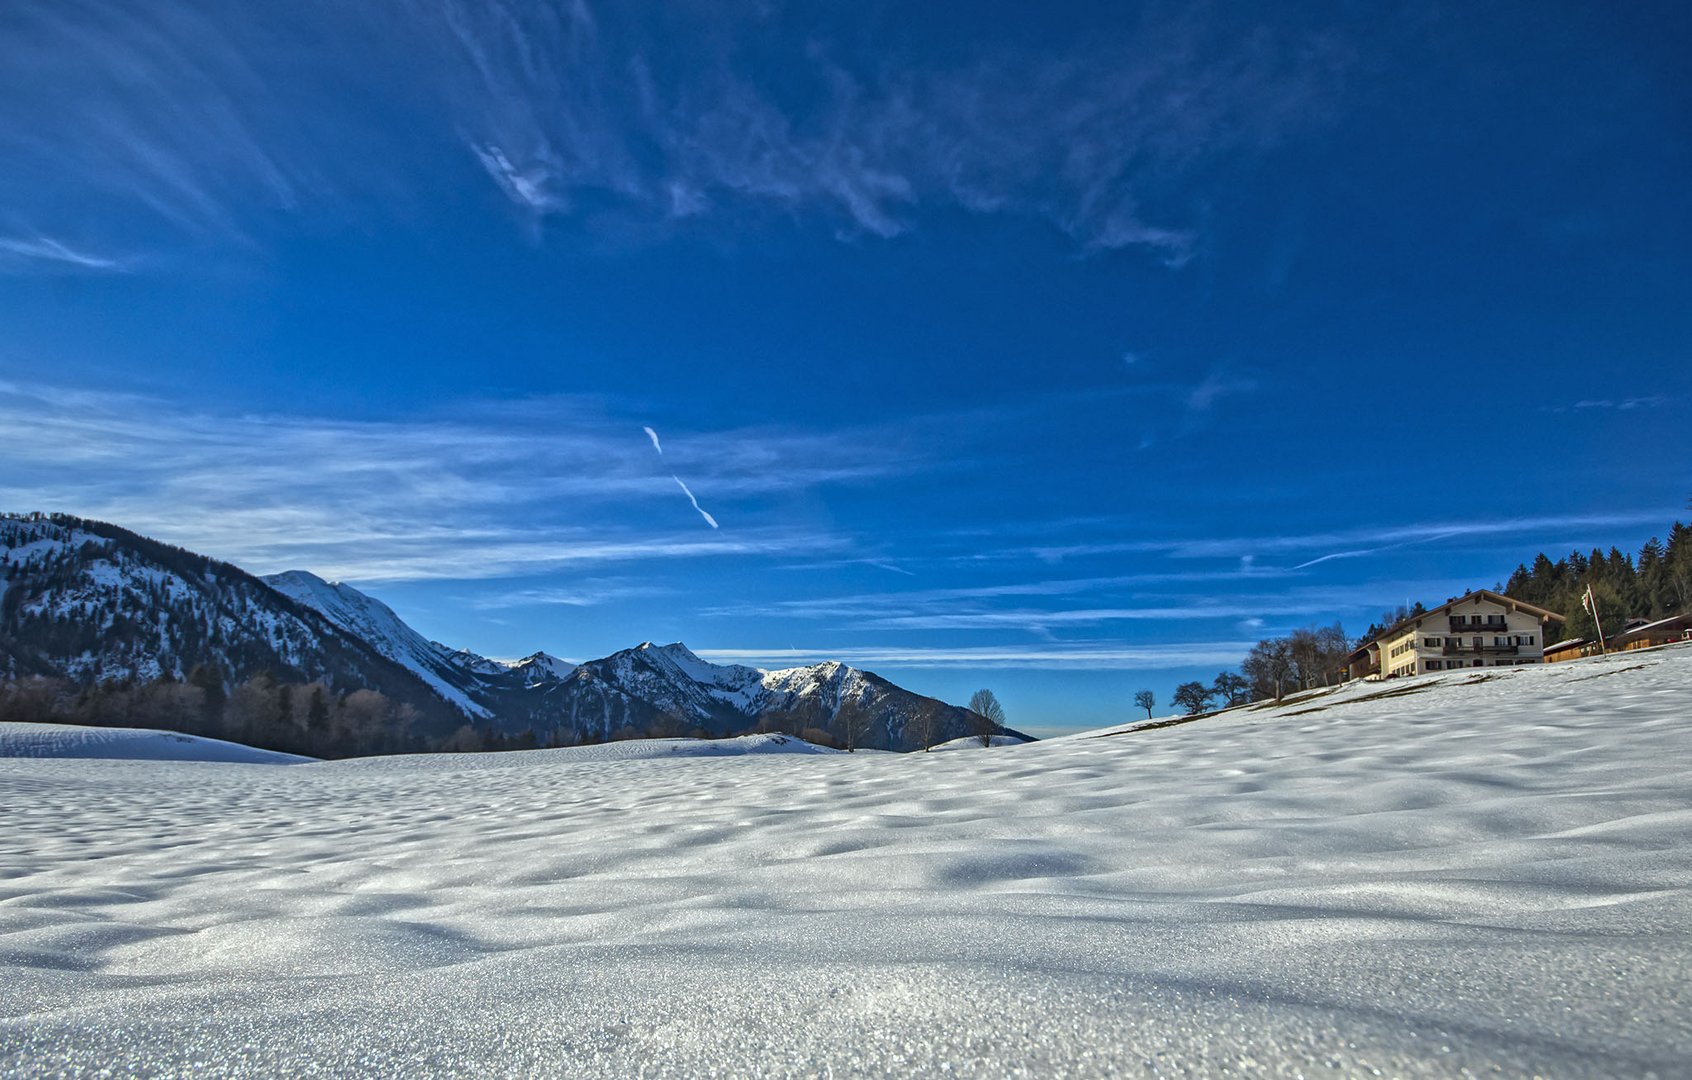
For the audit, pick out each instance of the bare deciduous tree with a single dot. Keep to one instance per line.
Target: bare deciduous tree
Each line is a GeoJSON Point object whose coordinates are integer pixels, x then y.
{"type": "Point", "coordinates": [1144, 699]}
{"type": "Point", "coordinates": [924, 723]}
{"type": "Point", "coordinates": [1193, 697]}
{"type": "Point", "coordinates": [853, 722]}
{"type": "Point", "coordinates": [1269, 668]}
{"type": "Point", "coordinates": [1230, 689]}
{"type": "Point", "coordinates": [1317, 652]}
{"type": "Point", "coordinates": [987, 716]}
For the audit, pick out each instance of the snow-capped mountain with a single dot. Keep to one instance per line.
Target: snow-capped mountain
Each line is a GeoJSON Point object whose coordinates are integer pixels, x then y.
{"type": "Point", "coordinates": [538, 668]}
{"type": "Point", "coordinates": [375, 622]}
{"type": "Point", "coordinates": [661, 690]}
{"type": "Point", "coordinates": [94, 603]}
{"type": "Point", "coordinates": [469, 661]}
{"type": "Point", "coordinates": [651, 690]}
{"type": "Point", "coordinates": [482, 688]}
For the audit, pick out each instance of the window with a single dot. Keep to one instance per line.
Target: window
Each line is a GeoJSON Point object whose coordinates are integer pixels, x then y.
{"type": "Point", "coordinates": [1480, 663]}
{"type": "Point", "coordinates": [1434, 665]}
{"type": "Point", "coordinates": [1432, 643]}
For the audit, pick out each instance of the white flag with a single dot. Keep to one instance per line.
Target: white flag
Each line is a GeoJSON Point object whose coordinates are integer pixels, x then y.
{"type": "Point", "coordinates": [1586, 600]}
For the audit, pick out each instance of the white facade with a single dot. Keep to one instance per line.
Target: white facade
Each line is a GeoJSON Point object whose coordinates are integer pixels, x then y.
{"type": "Point", "coordinates": [1482, 629]}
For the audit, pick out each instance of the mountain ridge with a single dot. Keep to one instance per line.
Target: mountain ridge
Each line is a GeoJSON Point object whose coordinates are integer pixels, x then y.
{"type": "Point", "coordinates": [92, 602]}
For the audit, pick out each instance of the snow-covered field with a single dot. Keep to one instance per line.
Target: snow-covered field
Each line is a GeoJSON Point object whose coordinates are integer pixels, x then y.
{"type": "Point", "coordinates": [137, 744]}
{"type": "Point", "coordinates": [1462, 873]}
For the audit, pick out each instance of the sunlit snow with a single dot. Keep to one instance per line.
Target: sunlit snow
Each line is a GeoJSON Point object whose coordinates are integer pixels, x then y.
{"type": "Point", "coordinates": [1480, 871]}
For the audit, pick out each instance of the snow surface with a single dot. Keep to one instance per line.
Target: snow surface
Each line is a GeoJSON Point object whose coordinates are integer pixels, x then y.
{"type": "Point", "coordinates": [134, 744]}
{"type": "Point", "coordinates": [973, 742]}
{"type": "Point", "coordinates": [1485, 872]}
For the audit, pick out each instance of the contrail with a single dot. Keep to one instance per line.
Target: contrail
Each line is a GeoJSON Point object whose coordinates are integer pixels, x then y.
{"type": "Point", "coordinates": [709, 520]}
{"type": "Point", "coordinates": [658, 446]}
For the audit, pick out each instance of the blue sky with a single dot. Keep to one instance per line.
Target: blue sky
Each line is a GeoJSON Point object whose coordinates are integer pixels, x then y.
{"type": "Point", "coordinates": [1060, 353]}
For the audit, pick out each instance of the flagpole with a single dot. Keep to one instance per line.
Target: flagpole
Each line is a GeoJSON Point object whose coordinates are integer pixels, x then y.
{"type": "Point", "coordinates": [1590, 602]}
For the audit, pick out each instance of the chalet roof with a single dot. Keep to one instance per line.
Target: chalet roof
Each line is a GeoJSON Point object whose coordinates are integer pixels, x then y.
{"type": "Point", "coordinates": [1497, 598]}
{"type": "Point", "coordinates": [1479, 594]}
{"type": "Point", "coordinates": [1673, 622]}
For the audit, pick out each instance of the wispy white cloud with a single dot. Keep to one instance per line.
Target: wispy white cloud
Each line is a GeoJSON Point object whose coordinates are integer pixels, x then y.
{"type": "Point", "coordinates": [1066, 656]}
{"type": "Point", "coordinates": [1626, 404]}
{"type": "Point", "coordinates": [1217, 385]}
{"type": "Point", "coordinates": [18, 254]}
{"type": "Point", "coordinates": [531, 186]}
{"type": "Point", "coordinates": [1081, 138]}
{"type": "Point", "coordinates": [878, 602]}
{"type": "Point", "coordinates": [582, 593]}
{"type": "Point", "coordinates": [1046, 608]}
{"type": "Point", "coordinates": [891, 568]}
{"type": "Point", "coordinates": [662, 113]}
{"type": "Point", "coordinates": [166, 107]}
{"type": "Point", "coordinates": [653, 435]}
{"type": "Point", "coordinates": [428, 497]}
{"type": "Point", "coordinates": [1348, 543]}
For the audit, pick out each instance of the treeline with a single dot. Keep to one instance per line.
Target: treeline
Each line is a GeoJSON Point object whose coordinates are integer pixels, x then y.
{"type": "Point", "coordinates": [1302, 660]}
{"type": "Point", "coordinates": [1655, 584]}
{"type": "Point", "coordinates": [295, 718]}
{"type": "Point", "coordinates": [313, 720]}
{"type": "Point", "coordinates": [291, 717]}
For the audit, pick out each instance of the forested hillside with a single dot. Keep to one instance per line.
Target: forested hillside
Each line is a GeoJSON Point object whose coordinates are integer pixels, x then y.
{"type": "Point", "coordinates": [1654, 584]}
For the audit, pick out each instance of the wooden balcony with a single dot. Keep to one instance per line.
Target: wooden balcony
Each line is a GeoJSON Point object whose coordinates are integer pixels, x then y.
{"type": "Point", "coordinates": [1481, 650]}
{"type": "Point", "coordinates": [1495, 624]}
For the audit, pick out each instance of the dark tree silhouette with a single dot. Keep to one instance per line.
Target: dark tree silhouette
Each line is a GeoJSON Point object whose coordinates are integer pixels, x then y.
{"type": "Point", "coordinates": [1193, 697]}
{"type": "Point", "coordinates": [987, 716]}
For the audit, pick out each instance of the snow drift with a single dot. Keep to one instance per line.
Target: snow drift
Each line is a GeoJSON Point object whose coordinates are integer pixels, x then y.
{"type": "Point", "coordinates": [131, 744]}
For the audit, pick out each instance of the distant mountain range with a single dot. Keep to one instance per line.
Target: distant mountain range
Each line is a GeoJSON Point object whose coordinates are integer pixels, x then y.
{"type": "Point", "coordinates": [93, 603]}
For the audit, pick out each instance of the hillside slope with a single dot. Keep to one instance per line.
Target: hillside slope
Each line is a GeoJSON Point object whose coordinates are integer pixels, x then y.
{"type": "Point", "coordinates": [1469, 692]}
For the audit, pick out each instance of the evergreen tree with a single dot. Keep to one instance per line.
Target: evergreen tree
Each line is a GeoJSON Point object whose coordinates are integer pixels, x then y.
{"type": "Point", "coordinates": [1611, 612]}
